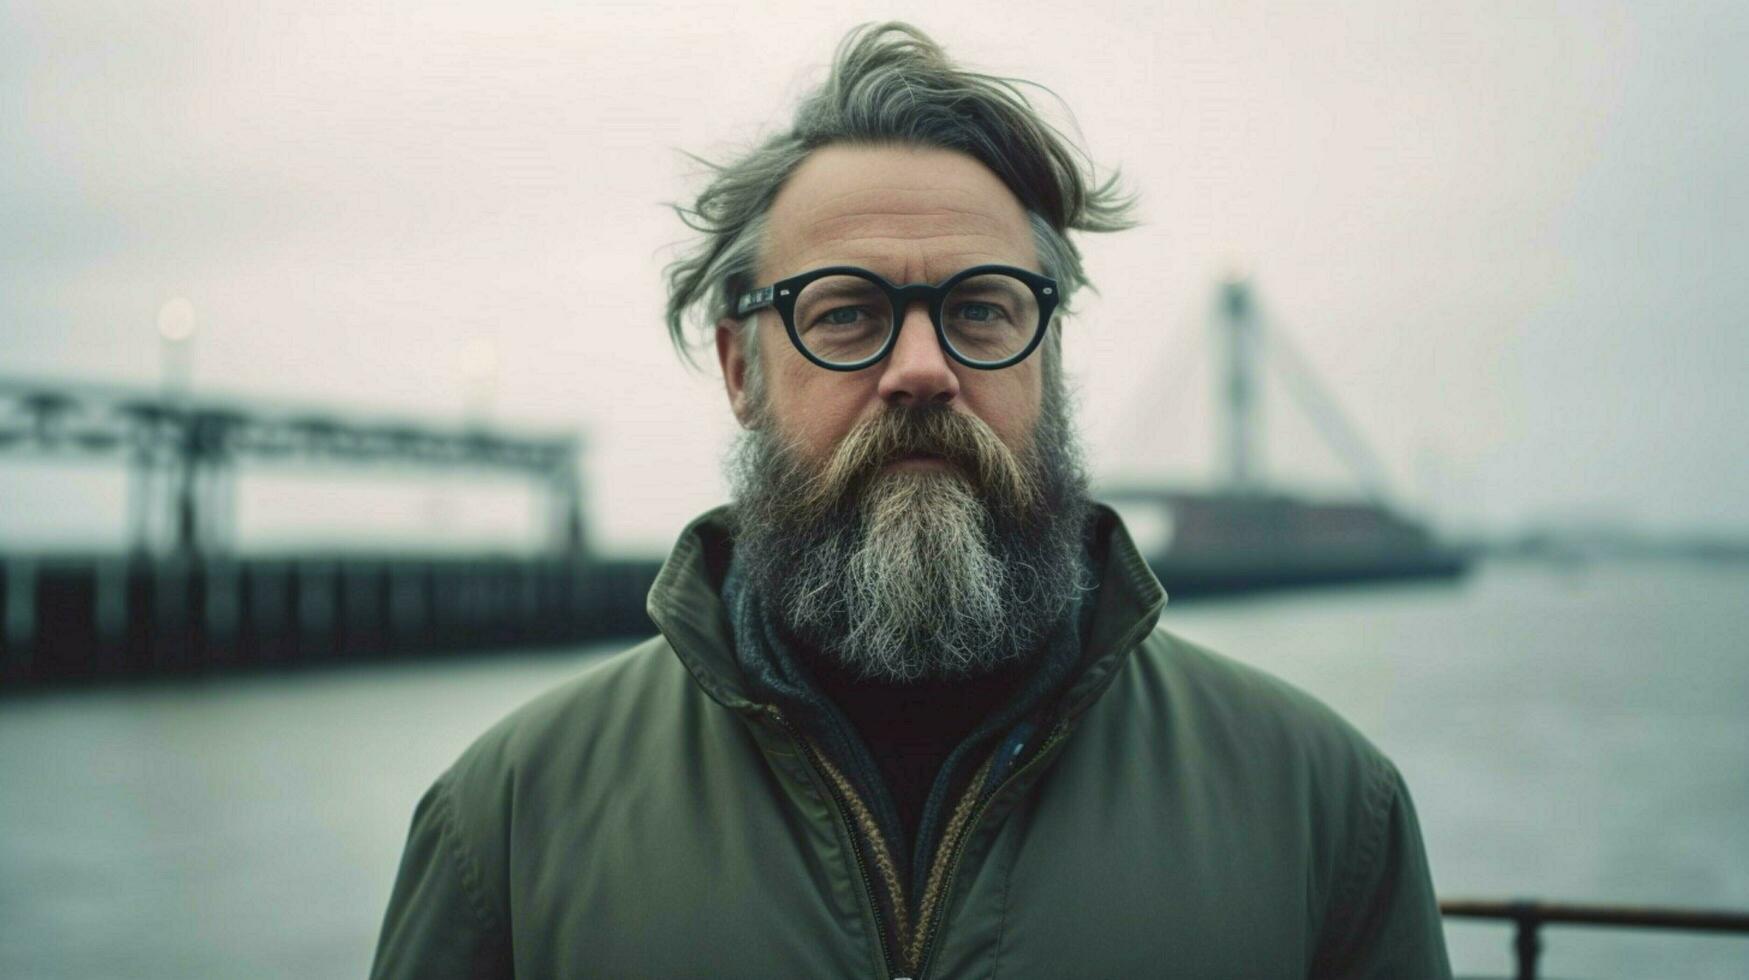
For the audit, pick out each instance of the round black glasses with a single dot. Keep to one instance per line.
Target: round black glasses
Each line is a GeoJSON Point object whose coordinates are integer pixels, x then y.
{"type": "Point", "coordinates": [846, 318]}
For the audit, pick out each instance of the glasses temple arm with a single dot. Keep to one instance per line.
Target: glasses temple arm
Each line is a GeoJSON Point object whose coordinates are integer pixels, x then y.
{"type": "Point", "coordinates": [750, 301]}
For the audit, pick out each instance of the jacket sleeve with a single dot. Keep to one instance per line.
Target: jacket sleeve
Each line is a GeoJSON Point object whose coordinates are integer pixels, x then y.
{"type": "Point", "coordinates": [1384, 922]}
{"type": "Point", "coordinates": [439, 922]}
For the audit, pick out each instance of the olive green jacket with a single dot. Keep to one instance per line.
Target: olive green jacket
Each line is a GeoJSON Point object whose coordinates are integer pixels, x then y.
{"type": "Point", "coordinates": [1186, 817]}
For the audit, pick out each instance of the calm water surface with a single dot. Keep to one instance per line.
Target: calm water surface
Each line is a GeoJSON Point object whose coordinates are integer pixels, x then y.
{"type": "Point", "coordinates": [1578, 736]}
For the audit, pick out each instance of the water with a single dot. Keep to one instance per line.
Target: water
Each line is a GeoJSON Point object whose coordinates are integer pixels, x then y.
{"type": "Point", "coordinates": [1583, 737]}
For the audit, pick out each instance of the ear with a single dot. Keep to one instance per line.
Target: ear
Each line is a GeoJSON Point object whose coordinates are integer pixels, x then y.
{"type": "Point", "coordinates": [732, 358]}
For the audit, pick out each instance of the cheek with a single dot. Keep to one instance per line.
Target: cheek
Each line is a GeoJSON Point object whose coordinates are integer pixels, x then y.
{"type": "Point", "coordinates": [812, 406]}
{"type": "Point", "coordinates": [1008, 401]}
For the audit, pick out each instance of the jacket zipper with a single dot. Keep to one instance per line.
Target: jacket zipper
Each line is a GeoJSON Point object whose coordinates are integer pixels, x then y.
{"type": "Point", "coordinates": [933, 926]}
{"type": "Point", "coordinates": [855, 843]}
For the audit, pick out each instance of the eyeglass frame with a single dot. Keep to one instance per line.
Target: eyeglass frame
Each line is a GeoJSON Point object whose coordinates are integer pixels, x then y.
{"type": "Point", "coordinates": [782, 295]}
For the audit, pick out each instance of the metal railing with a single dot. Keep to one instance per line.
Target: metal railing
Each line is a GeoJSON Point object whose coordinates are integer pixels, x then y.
{"type": "Point", "coordinates": [1529, 916]}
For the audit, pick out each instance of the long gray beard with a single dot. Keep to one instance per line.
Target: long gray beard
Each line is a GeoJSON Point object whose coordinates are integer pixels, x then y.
{"type": "Point", "coordinates": [916, 574]}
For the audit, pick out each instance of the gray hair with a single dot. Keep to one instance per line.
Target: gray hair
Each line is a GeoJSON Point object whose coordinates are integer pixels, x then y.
{"type": "Point", "coordinates": [891, 83]}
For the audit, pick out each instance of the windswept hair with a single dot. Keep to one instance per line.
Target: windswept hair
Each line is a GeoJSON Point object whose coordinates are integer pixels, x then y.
{"type": "Point", "coordinates": [891, 83]}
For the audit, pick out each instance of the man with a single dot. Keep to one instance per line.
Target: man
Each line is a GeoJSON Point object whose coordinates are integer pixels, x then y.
{"type": "Point", "coordinates": [909, 714]}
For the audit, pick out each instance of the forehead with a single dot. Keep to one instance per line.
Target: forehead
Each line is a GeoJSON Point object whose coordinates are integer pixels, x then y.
{"type": "Point", "coordinates": [909, 213]}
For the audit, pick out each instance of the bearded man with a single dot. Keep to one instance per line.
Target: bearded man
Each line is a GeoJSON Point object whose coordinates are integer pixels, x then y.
{"type": "Point", "coordinates": [909, 713]}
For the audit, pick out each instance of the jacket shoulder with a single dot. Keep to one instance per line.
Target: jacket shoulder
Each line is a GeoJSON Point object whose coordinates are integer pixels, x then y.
{"type": "Point", "coordinates": [1259, 738]}
{"type": "Point", "coordinates": [450, 913]}
{"type": "Point", "coordinates": [1229, 705]}
{"type": "Point", "coordinates": [605, 692]}
{"type": "Point", "coordinates": [542, 753]}
{"type": "Point", "coordinates": [1224, 759]}
{"type": "Point", "coordinates": [1243, 734]}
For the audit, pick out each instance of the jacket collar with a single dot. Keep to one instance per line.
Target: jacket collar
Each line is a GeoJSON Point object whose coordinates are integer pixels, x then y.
{"type": "Point", "coordinates": [686, 605]}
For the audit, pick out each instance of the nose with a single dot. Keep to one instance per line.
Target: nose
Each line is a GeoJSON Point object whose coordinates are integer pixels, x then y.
{"type": "Point", "coordinates": [917, 371]}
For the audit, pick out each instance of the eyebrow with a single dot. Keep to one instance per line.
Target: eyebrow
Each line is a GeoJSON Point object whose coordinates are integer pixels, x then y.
{"type": "Point", "coordinates": [847, 286]}
{"type": "Point", "coordinates": [895, 280]}
{"type": "Point", "coordinates": [976, 287]}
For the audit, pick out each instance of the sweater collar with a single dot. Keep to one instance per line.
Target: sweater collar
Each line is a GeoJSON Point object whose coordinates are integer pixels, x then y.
{"type": "Point", "coordinates": [686, 605]}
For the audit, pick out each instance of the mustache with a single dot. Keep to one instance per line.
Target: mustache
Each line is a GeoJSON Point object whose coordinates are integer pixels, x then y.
{"type": "Point", "coordinates": [1002, 478]}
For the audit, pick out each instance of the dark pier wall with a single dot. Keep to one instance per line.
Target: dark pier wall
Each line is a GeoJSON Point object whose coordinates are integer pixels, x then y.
{"type": "Point", "coordinates": [70, 618]}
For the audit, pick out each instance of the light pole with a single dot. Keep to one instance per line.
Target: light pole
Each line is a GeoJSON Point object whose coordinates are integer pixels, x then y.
{"type": "Point", "coordinates": [478, 364]}
{"type": "Point", "coordinates": [1241, 434]}
{"type": "Point", "coordinates": [176, 329]}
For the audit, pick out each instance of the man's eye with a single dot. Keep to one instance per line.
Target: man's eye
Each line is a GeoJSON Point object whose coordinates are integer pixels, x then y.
{"type": "Point", "coordinates": [843, 316]}
{"type": "Point", "coordinates": [979, 312]}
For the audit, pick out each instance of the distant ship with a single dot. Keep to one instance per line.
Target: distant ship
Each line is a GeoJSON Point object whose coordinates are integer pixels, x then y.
{"type": "Point", "coordinates": [1245, 535]}
{"type": "Point", "coordinates": [1211, 543]}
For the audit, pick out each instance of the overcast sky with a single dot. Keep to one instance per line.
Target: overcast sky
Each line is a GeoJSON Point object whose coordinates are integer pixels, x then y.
{"type": "Point", "coordinates": [1512, 238]}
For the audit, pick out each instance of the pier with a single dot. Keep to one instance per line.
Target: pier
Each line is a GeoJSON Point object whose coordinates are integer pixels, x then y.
{"type": "Point", "coordinates": [87, 617]}
{"type": "Point", "coordinates": [181, 598]}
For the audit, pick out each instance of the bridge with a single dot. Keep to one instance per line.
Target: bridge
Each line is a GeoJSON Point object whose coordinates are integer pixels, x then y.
{"type": "Point", "coordinates": [179, 597]}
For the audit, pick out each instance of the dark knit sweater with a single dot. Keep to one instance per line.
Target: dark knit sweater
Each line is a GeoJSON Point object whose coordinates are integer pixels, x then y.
{"type": "Point", "coordinates": [911, 728]}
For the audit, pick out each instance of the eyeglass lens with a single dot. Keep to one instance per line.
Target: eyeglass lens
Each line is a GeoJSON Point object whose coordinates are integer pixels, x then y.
{"type": "Point", "coordinates": [845, 319]}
